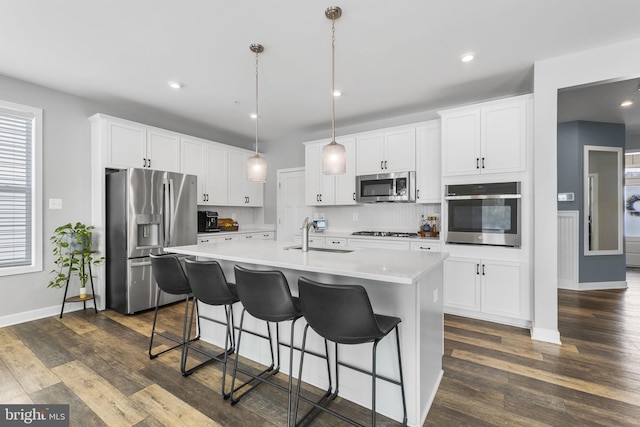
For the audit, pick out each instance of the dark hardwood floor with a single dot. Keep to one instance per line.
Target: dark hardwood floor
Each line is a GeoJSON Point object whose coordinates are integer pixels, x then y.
{"type": "Point", "coordinates": [494, 374]}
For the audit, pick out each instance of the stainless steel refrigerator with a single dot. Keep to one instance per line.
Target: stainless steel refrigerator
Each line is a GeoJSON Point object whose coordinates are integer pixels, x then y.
{"type": "Point", "coordinates": [146, 211]}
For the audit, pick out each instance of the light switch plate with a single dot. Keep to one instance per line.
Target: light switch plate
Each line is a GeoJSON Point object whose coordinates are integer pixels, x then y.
{"type": "Point", "coordinates": [566, 197]}
{"type": "Point", "coordinates": [55, 203]}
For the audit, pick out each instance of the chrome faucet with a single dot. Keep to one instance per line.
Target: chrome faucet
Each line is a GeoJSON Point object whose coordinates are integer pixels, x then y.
{"type": "Point", "coordinates": [306, 225]}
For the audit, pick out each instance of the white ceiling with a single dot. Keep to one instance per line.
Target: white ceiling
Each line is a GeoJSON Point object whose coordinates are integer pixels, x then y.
{"type": "Point", "coordinates": [392, 57]}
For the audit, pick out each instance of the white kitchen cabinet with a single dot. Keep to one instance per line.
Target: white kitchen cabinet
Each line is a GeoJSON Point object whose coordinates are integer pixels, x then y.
{"type": "Point", "coordinates": [485, 138]}
{"type": "Point", "coordinates": [495, 289]}
{"type": "Point", "coordinates": [129, 144]}
{"type": "Point", "coordinates": [428, 163]}
{"type": "Point", "coordinates": [321, 189]}
{"type": "Point", "coordinates": [266, 235]}
{"type": "Point", "coordinates": [314, 241]}
{"type": "Point", "coordinates": [425, 246]}
{"type": "Point", "coordinates": [377, 243]}
{"type": "Point", "coordinates": [335, 241]}
{"type": "Point", "coordinates": [388, 151]}
{"type": "Point", "coordinates": [241, 191]}
{"type": "Point", "coordinates": [209, 163]}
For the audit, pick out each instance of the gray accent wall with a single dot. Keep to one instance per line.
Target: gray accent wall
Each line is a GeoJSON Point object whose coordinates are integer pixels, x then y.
{"type": "Point", "coordinates": [572, 137]}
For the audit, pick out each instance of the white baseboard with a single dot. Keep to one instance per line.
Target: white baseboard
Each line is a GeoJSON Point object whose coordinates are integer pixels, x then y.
{"type": "Point", "coordinates": [594, 286]}
{"type": "Point", "coordinates": [546, 335]}
{"type": "Point", "coordinates": [568, 284]}
{"type": "Point", "coordinates": [27, 316]}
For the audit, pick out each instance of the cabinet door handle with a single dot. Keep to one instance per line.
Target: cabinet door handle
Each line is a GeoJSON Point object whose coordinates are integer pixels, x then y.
{"type": "Point", "coordinates": [477, 163]}
{"type": "Point", "coordinates": [483, 269]}
{"type": "Point", "coordinates": [385, 164]}
{"type": "Point", "coordinates": [477, 269]}
{"type": "Point", "coordinates": [149, 161]}
{"type": "Point", "coordinates": [418, 193]}
{"type": "Point", "coordinates": [227, 238]}
{"type": "Point", "coordinates": [381, 162]}
{"type": "Point", "coordinates": [320, 196]}
{"type": "Point", "coordinates": [144, 162]}
{"type": "Point", "coordinates": [427, 248]}
{"type": "Point", "coordinates": [483, 163]}
{"type": "Point", "coordinates": [354, 196]}
{"type": "Point", "coordinates": [249, 237]}
{"type": "Point", "coordinates": [248, 199]}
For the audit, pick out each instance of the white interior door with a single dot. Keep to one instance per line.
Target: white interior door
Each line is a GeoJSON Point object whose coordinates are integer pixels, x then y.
{"type": "Point", "coordinates": [291, 204]}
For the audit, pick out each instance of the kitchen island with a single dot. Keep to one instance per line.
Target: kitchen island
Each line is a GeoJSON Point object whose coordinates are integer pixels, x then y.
{"type": "Point", "coordinates": [406, 284]}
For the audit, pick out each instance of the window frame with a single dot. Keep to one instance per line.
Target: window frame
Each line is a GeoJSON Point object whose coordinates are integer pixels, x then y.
{"type": "Point", "coordinates": [36, 190]}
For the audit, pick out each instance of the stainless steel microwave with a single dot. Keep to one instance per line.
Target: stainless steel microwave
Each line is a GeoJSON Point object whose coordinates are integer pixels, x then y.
{"type": "Point", "coordinates": [386, 187]}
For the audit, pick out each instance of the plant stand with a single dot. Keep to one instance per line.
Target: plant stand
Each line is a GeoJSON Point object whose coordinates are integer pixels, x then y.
{"type": "Point", "coordinates": [77, 298]}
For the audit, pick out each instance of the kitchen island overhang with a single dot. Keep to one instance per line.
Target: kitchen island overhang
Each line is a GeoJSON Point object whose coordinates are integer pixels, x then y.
{"type": "Point", "coordinates": [406, 284]}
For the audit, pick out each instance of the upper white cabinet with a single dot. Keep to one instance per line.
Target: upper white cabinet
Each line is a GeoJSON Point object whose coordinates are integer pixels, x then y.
{"type": "Point", "coordinates": [241, 191]}
{"type": "Point", "coordinates": [321, 189]}
{"type": "Point", "coordinates": [209, 163]}
{"type": "Point", "coordinates": [384, 152]}
{"type": "Point", "coordinates": [132, 145]}
{"type": "Point", "coordinates": [485, 138]}
{"type": "Point", "coordinates": [428, 161]}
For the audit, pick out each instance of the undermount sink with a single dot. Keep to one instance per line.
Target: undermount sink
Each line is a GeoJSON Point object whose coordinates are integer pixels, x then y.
{"type": "Point", "coordinates": [338, 251]}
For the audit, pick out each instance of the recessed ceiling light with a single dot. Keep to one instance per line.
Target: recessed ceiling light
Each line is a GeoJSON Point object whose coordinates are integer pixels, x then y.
{"type": "Point", "coordinates": [254, 116]}
{"type": "Point", "coordinates": [337, 93]}
{"type": "Point", "coordinates": [175, 85]}
{"type": "Point", "coordinates": [626, 103]}
{"type": "Point", "coordinates": [467, 57]}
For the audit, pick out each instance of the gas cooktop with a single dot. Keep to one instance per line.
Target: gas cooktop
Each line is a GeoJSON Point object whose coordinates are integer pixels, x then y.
{"type": "Point", "coordinates": [383, 234]}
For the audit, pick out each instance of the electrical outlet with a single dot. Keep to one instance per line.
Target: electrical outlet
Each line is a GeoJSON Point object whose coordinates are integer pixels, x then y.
{"type": "Point", "coordinates": [435, 295]}
{"type": "Point", "coordinates": [355, 216]}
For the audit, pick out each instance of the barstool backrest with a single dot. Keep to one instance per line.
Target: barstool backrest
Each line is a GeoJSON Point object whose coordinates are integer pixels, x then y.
{"type": "Point", "coordinates": [339, 313]}
{"type": "Point", "coordinates": [209, 283]}
{"type": "Point", "coordinates": [265, 294]}
{"type": "Point", "coordinates": [169, 274]}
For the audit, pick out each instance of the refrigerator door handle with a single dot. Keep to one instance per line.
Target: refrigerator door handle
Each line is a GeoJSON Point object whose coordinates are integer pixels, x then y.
{"type": "Point", "coordinates": [166, 215]}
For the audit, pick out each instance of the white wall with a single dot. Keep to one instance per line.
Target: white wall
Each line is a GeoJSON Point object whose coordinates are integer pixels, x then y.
{"type": "Point", "coordinates": [66, 163]}
{"type": "Point", "coordinates": [612, 62]}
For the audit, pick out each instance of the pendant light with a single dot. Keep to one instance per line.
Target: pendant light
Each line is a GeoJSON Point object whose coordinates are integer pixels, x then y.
{"type": "Point", "coordinates": [256, 165]}
{"type": "Point", "coordinates": [334, 161]}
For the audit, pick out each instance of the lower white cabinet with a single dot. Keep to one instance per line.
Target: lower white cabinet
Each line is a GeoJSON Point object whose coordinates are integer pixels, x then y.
{"type": "Point", "coordinates": [425, 246]}
{"type": "Point", "coordinates": [493, 289]}
{"type": "Point", "coordinates": [215, 238]}
{"type": "Point", "coordinates": [377, 243]}
{"type": "Point", "coordinates": [314, 241]}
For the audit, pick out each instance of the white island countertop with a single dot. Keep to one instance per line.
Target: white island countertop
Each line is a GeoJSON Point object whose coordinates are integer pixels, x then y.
{"type": "Point", "coordinates": [394, 266]}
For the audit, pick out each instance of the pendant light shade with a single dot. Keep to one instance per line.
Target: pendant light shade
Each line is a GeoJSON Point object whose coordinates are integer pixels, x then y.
{"type": "Point", "coordinates": [256, 165]}
{"type": "Point", "coordinates": [256, 168]}
{"type": "Point", "coordinates": [334, 159]}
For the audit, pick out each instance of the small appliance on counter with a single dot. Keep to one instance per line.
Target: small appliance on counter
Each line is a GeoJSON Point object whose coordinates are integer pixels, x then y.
{"type": "Point", "coordinates": [207, 222]}
{"type": "Point", "coordinates": [227, 224]}
{"type": "Point", "coordinates": [320, 224]}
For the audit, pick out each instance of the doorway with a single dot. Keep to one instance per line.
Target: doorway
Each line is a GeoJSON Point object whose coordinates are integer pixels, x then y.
{"type": "Point", "coordinates": [291, 208]}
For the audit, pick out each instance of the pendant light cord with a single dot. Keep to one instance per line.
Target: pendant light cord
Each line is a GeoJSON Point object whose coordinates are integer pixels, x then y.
{"type": "Point", "coordinates": [333, 79]}
{"type": "Point", "coordinates": [257, 103]}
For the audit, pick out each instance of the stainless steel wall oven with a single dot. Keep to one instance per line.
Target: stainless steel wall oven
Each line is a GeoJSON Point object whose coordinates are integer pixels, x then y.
{"type": "Point", "coordinates": [484, 214]}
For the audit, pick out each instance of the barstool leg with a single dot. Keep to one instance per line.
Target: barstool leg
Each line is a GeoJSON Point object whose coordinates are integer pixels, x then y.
{"type": "Point", "coordinates": [404, 400]}
{"type": "Point", "coordinates": [293, 324]}
{"type": "Point", "coordinates": [235, 364]}
{"type": "Point", "coordinates": [297, 402]}
{"type": "Point", "coordinates": [153, 328]}
{"type": "Point", "coordinates": [373, 383]}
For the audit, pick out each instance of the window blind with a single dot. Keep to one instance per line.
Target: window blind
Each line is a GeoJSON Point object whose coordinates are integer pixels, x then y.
{"type": "Point", "coordinates": [16, 198]}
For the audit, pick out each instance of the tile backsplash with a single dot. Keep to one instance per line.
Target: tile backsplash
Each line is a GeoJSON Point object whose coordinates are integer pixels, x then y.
{"type": "Point", "coordinates": [402, 217]}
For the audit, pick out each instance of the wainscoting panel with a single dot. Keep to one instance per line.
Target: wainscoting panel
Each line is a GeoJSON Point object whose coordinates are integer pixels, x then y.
{"type": "Point", "coordinates": [568, 249]}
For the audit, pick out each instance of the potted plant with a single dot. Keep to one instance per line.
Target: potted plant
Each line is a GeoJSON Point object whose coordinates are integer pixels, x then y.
{"type": "Point", "coordinates": [72, 251]}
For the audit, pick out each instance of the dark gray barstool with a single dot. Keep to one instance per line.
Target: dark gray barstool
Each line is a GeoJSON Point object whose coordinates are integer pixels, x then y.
{"type": "Point", "coordinates": [266, 296]}
{"type": "Point", "coordinates": [343, 314]}
{"type": "Point", "coordinates": [209, 286]}
{"type": "Point", "coordinates": [171, 279]}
